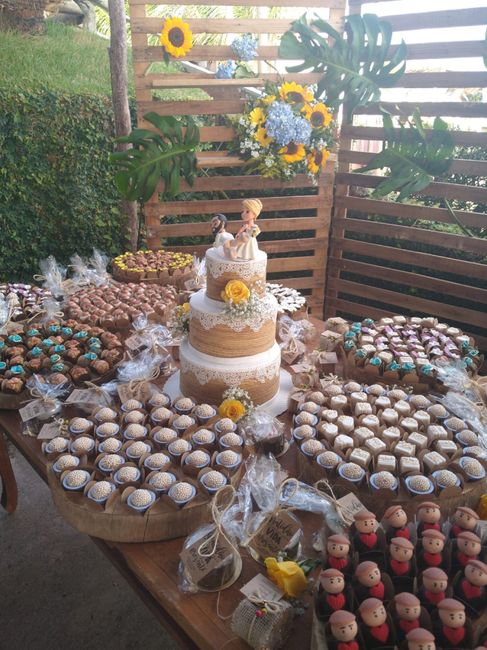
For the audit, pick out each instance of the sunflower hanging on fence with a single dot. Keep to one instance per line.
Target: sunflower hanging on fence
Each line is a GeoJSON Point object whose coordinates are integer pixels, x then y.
{"type": "Point", "coordinates": [176, 37]}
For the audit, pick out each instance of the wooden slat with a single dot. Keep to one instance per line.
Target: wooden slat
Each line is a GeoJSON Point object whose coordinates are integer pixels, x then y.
{"type": "Point", "coordinates": [410, 211]}
{"type": "Point", "coordinates": [427, 109]}
{"type": "Point", "coordinates": [193, 107]}
{"type": "Point", "coordinates": [202, 228]}
{"type": "Point", "coordinates": [463, 138]}
{"type": "Point", "coordinates": [414, 258]}
{"type": "Point", "coordinates": [420, 235]}
{"type": "Point", "coordinates": [439, 190]}
{"type": "Point", "coordinates": [231, 205]}
{"type": "Point", "coordinates": [276, 246]}
{"type": "Point", "coordinates": [404, 300]}
{"type": "Point", "coordinates": [198, 80]}
{"type": "Point", "coordinates": [219, 26]}
{"type": "Point", "coordinates": [151, 53]}
{"type": "Point", "coordinates": [322, 4]}
{"type": "Point", "coordinates": [251, 182]}
{"type": "Point", "coordinates": [437, 19]}
{"type": "Point", "coordinates": [448, 79]}
{"type": "Point", "coordinates": [428, 282]}
{"type": "Point", "coordinates": [287, 264]}
{"type": "Point", "coordinates": [458, 166]}
{"type": "Point", "coordinates": [448, 50]}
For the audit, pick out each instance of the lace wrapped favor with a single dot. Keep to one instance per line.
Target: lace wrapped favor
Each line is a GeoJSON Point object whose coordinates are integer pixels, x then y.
{"type": "Point", "coordinates": [292, 335]}
{"type": "Point", "coordinates": [263, 624]}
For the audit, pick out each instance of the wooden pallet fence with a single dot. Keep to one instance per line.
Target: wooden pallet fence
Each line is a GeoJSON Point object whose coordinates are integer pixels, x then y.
{"type": "Point", "coordinates": [387, 257]}
{"type": "Point", "coordinates": [295, 222]}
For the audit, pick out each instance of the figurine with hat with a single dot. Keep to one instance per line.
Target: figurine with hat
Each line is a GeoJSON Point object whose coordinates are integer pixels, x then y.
{"type": "Point", "coordinates": [401, 564]}
{"type": "Point", "coordinates": [433, 587]}
{"type": "Point", "coordinates": [376, 628]}
{"type": "Point", "coordinates": [470, 586]}
{"type": "Point", "coordinates": [408, 614]}
{"type": "Point", "coordinates": [396, 523]}
{"type": "Point", "coordinates": [344, 629]}
{"type": "Point", "coordinates": [370, 583]}
{"type": "Point", "coordinates": [365, 536]}
{"type": "Point", "coordinates": [244, 246]}
{"type": "Point", "coordinates": [420, 639]}
{"type": "Point", "coordinates": [428, 517]}
{"type": "Point", "coordinates": [464, 519]}
{"type": "Point", "coordinates": [467, 546]}
{"type": "Point", "coordinates": [332, 594]}
{"type": "Point", "coordinates": [338, 553]}
{"type": "Point", "coordinates": [452, 629]}
{"type": "Point", "coordinates": [432, 551]}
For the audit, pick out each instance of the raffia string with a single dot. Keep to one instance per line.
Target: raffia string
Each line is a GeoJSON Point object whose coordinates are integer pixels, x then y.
{"type": "Point", "coordinates": [217, 513]}
{"type": "Point", "coordinates": [99, 390]}
{"type": "Point", "coordinates": [38, 314]}
{"type": "Point", "coordinates": [342, 510]}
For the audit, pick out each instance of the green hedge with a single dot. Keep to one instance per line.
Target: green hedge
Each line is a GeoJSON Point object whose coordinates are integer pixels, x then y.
{"type": "Point", "coordinates": [56, 188]}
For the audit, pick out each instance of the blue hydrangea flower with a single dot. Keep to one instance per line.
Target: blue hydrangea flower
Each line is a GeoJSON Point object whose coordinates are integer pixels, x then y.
{"type": "Point", "coordinates": [280, 123]}
{"type": "Point", "coordinates": [245, 47]}
{"type": "Point", "coordinates": [302, 130]}
{"type": "Point", "coordinates": [225, 70]}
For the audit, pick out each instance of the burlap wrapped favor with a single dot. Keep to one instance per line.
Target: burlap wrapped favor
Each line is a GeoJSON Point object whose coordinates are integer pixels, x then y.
{"type": "Point", "coordinates": [263, 630]}
{"type": "Point", "coordinates": [291, 334]}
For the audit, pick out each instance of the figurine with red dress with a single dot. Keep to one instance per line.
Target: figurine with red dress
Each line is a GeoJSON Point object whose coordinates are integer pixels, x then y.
{"type": "Point", "coordinates": [467, 547]}
{"type": "Point", "coordinates": [331, 596]}
{"type": "Point", "coordinates": [431, 552]}
{"type": "Point", "coordinates": [397, 523]}
{"type": "Point", "coordinates": [428, 517]}
{"type": "Point", "coordinates": [464, 519]}
{"type": "Point", "coordinates": [338, 553]}
{"type": "Point", "coordinates": [369, 582]}
{"type": "Point", "coordinates": [471, 587]}
{"type": "Point", "coordinates": [375, 628]}
{"type": "Point", "coordinates": [450, 629]}
{"type": "Point", "coordinates": [433, 588]}
{"type": "Point", "coordinates": [343, 627]}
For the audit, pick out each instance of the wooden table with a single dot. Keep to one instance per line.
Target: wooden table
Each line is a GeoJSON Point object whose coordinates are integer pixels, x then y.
{"type": "Point", "coordinates": [152, 570]}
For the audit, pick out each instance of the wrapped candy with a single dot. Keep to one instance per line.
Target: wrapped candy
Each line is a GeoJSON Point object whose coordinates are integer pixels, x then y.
{"type": "Point", "coordinates": [198, 279]}
{"type": "Point", "coordinates": [92, 271]}
{"type": "Point", "coordinates": [135, 375]}
{"type": "Point", "coordinates": [45, 406]}
{"type": "Point", "coordinates": [265, 433]}
{"type": "Point", "coordinates": [292, 336]}
{"type": "Point", "coordinates": [263, 623]}
{"type": "Point", "coordinates": [54, 279]}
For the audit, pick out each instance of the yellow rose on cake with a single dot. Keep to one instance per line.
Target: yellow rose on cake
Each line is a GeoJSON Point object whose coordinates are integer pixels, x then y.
{"type": "Point", "coordinates": [236, 291]}
{"type": "Point", "coordinates": [231, 408]}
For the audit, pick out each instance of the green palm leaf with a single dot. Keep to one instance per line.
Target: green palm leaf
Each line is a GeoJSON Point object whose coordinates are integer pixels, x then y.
{"type": "Point", "coordinates": [167, 156]}
{"type": "Point", "coordinates": [355, 67]}
{"type": "Point", "coordinates": [413, 156]}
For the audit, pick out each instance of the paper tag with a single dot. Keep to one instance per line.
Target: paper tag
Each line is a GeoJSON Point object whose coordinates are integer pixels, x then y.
{"type": "Point", "coordinates": [49, 431]}
{"type": "Point", "coordinates": [198, 566]}
{"type": "Point", "coordinates": [351, 505]}
{"type": "Point", "coordinates": [274, 534]}
{"type": "Point", "coordinates": [301, 367]}
{"type": "Point", "coordinates": [83, 396]}
{"type": "Point", "coordinates": [35, 409]}
{"type": "Point", "coordinates": [135, 342]}
{"type": "Point", "coordinates": [262, 586]}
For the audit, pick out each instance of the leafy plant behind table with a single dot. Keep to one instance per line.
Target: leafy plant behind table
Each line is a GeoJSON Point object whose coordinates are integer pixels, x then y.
{"type": "Point", "coordinates": [167, 156]}
{"type": "Point", "coordinates": [354, 67]}
{"type": "Point", "coordinates": [57, 194]}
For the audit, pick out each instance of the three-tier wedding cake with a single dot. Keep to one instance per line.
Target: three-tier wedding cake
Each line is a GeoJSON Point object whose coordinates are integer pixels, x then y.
{"type": "Point", "coordinates": [232, 346]}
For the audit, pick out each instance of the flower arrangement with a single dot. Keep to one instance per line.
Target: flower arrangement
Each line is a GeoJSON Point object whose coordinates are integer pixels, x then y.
{"type": "Point", "coordinates": [176, 37]}
{"type": "Point", "coordinates": [285, 131]}
{"type": "Point", "coordinates": [245, 47]}
{"type": "Point", "coordinates": [244, 305]}
{"type": "Point", "coordinates": [236, 292]}
{"type": "Point", "coordinates": [179, 321]}
{"type": "Point", "coordinates": [236, 404]}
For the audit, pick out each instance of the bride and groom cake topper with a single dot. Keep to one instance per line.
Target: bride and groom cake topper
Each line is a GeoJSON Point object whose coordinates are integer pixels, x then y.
{"type": "Point", "coordinates": [244, 245]}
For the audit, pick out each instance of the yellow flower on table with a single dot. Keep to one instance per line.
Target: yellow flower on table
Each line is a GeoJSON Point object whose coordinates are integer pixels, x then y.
{"type": "Point", "coordinates": [293, 152]}
{"type": "Point", "coordinates": [288, 576]}
{"type": "Point", "coordinates": [294, 93]}
{"type": "Point", "coordinates": [231, 408]}
{"type": "Point", "coordinates": [176, 37]}
{"type": "Point", "coordinates": [318, 115]}
{"type": "Point", "coordinates": [257, 116]}
{"type": "Point", "coordinates": [262, 137]}
{"type": "Point", "coordinates": [317, 160]}
{"type": "Point", "coordinates": [236, 291]}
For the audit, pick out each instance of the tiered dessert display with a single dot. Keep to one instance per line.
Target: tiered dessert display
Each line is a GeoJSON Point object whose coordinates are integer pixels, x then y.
{"type": "Point", "coordinates": [232, 330]}
{"type": "Point", "coordinates": [159, 267]}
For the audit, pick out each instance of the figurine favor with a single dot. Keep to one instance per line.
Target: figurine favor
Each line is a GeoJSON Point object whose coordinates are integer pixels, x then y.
{"type": "Point", "coordinates": [463, 519]}
{"type": "Point", "coordinates": [244, 246]}
{"type": "Point", "coordinates": [330, 596]}
{"type": "Point", "coordinates": [218, 229]}
{"type": "Point", "coordinates": [365, 538]}
{"type": "Point", "coordinates": [428, 516]}
{"type": "Point", "coordinates": [401, 552]}
{"type": "Point", "coordinates": [472, 587]}
{"type": "Point", "coordinates": [468, 547]}
{"type": "Point", "coordinates": [375, 629]}
{"type": "Point", "coordinates": [431, 548]}
{"type": "Point", "coordinates": [343, 626]}
{"type": "Point", "coordinates": [337, 553]}
{"type": "Point", "coordinates": [406, 613]}
{"type": "Point", "coordinates": [420, 639]}
{"type": "Point", "coordinates": [397, 523]}
{"type": "Point", "coordinates": [432, 592]}
{"type": "Point", "coordinates": [450, 628]}
{"type": "Point", "coordinates": [369, 580]}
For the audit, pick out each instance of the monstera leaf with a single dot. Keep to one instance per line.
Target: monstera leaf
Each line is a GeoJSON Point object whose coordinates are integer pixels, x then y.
{"type": "Point", "coordinates": [414, 158]}
{"type": "Point", "coordinates": [355, 67]}
{"type": "Point", "coordinates": [167, 156]}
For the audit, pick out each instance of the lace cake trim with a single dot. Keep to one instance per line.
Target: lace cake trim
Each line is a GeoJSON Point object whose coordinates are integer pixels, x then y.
{"type": "Point", "coordinates": [232, 378]}
{"type": "Point", "coordinates": [244, 270]}
{"type": "Point", "coordinates": [237, 323]}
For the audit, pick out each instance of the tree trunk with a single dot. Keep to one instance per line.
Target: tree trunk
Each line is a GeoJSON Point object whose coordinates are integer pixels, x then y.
{"type": "Point", "coordinates": [119, 79]}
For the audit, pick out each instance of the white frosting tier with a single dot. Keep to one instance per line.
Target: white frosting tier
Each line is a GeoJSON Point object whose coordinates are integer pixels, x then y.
{"type": "Point", "coordinates": [233, 372]}
{"type": "Point", "coordinates": [211, 313]}
{"type": "Point", "coordinates": [217, 265]}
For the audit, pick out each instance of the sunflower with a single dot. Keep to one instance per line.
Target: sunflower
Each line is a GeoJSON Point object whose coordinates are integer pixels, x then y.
{"type": "Point", "coordinates": [257, 116]}
{"type": "Point", "coordinates": [292, 152]}
{"type": "Point", "coordinates": [262, 137]}
{"type": "Point", "coordinates": [269, 99]}
{"type": "Point", "coordinates": [294, 93]}
{"type": "Point", "coordinates": [318, 115]}
{"type": "Point", "coordinates": [317, 160]}
{"type": "Point", "coordinates": [176, 37]}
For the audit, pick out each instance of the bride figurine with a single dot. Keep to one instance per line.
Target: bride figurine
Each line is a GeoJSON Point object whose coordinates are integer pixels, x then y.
{"type": "Point", "coordinates": [219, 229]}
{"type": "Point", "coordinates": [244, 246]}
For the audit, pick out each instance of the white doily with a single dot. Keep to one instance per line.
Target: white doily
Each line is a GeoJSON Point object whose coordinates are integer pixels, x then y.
{"type": "Point", "coordinates": [233, 378]}
{"type": "Point", "coordinates": [254, 321]}
{"type": "Point", "coordinates": [245, 270]}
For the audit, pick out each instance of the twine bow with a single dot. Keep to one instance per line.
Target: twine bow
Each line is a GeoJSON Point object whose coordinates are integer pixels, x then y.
{"type": "Point", "coordinates": [217, 512]}
{"type": "Point", "coordinates": [99, 390]}
{"type": "Point", "coordinates": [59, 315]}
{"type": "Point", "coordinates": [260, 600]}
{"type": "Point", "coordinates": [344, 512]}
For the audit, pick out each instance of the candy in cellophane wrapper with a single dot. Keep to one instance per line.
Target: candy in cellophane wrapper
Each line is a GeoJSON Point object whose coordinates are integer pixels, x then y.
{"type": "Point", "coordinates": [7, 308]}
{"type": "Point", "coordinates": [147, 336]}
{"type": "Point", "coordinates": [272, 530]}
{"type": "Point", "coordinates": [136, 375]}
{"type": "Point", "coordinates": [264, 433]}
{"type": "Point", "coordinates": [292, 339]}
{"type": "Point", "coordinates": [198, 279]}
{"type": "Point", "coordinates": [263, 632]}
{"type": "Point", "coordinates": [90, 272]}
{"type": "Point", "coordinates": [54, 279]}
{"type": "Point", "coordinates": [210, 559]}
{"type": "Point", "coordinates": [45, 406]}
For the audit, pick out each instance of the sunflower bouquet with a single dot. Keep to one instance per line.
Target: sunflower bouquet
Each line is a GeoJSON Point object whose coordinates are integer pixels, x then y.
{"type": "Point", "coordinates": [284, 132]}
